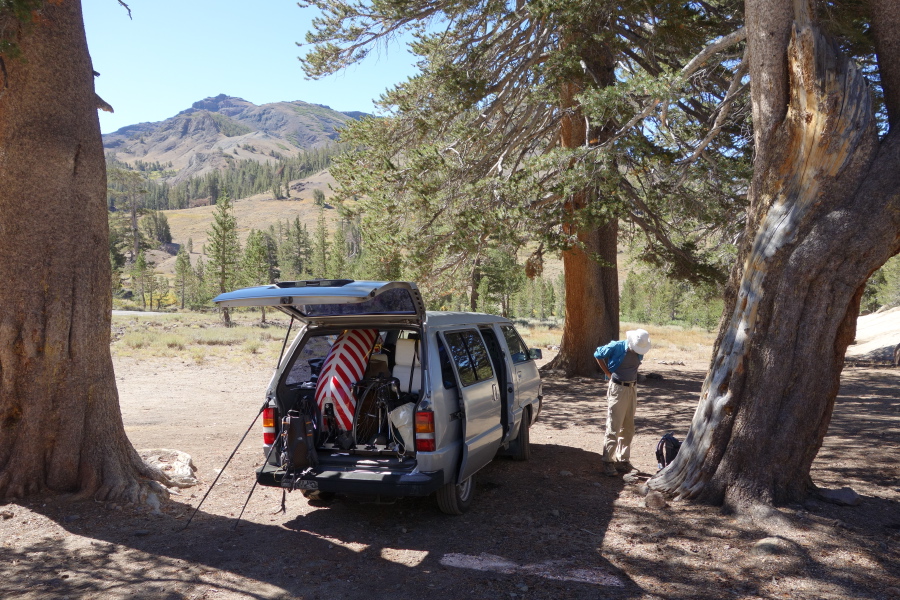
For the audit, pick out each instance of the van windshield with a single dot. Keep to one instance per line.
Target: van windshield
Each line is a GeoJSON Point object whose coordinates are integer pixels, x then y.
{"type": "Point", "coordinates": [397, 301]}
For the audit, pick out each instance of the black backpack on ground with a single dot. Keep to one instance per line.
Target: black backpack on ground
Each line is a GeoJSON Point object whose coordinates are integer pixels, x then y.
{"type": "Point", "coordinates": [667, 449]}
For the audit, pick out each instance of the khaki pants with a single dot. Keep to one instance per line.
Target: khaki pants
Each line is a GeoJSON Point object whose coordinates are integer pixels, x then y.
{"type": "Point", "coordinates": [621, 405]}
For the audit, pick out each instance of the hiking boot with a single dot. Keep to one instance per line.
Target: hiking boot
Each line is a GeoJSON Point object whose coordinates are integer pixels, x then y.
{"type": "Point", "coordinates": [610, 469]}
{"type": "Point", "coordinates": [625, 467]}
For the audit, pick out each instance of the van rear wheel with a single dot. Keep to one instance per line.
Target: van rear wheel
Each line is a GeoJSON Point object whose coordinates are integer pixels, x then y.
{"type": "Point", "coordinates": [455, 499]}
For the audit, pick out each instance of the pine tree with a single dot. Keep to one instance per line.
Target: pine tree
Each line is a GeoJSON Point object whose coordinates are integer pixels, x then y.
{"type": "Point", "coordinates": [151, 283]}
{"type": "Point", "coordinates": [212, 183]}
{"type": "Point", "coordinates": [118, 238]}
{"type": "Point", "coordinates": [516, 102]}
{"type": "Point", "coordinates": [319, 262]}
{"type": "Point", "coordinates": [338, 264]}
{"type": "Point", "coordinates": [183, 275]}
{"type": "Point", "coordinates": [116, 274]}
{"type": "Point", "coordinates": [294, 250]}
{"type": "Point", "coordinates": [117, 244]}
{"type": "Point", "coordinates": [256, 265]}
{"type": "Point", "coordinates": [501, 279]}
{"type": "Point", "coordinates": [162, 290]}
{"type": "Point", "coordinates": [130, 187]}
{"type": "Point", "coordinates": [224, 250]}
{"type": "Point", "coordinates": [198, 293]}
{"type": "Point", "coordinates": [139, 277]}
{"type": "Point", "coordinates": [155, 227]}
{"type": "Point", "coordinates": [62, 430]}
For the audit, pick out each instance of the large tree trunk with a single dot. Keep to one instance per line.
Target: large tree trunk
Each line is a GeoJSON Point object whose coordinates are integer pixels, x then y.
{"type": "Point", "coordinates": [592, 300]}
{"type": "Point", "coordinates": [592, 287]}
{"type": "Point", "coordinates": [60, 424]}
{"type": "Point", "coordinates": [824, 215]}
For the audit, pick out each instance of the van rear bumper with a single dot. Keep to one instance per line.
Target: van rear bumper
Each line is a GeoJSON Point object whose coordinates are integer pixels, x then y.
{"type": "Point", "coordinates": [381, 483]}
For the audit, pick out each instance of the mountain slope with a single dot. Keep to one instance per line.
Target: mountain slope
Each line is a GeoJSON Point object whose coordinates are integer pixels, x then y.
{"type": "Point", "coordinates": [219, 129]}
{"type": "Point", "coordinates": [256, 212]}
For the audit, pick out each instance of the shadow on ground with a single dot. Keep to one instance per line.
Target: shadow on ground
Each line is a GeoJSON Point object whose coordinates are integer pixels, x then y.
{"type": "Point", "coordinates": [508, 544]}
{"type": "Point", "coordinates": [550, 528]}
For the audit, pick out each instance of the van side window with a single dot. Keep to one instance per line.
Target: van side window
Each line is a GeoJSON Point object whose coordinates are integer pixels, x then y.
{"type": "Point", "coordinates": [517, 349]}
{"type": "Point", "coordinates": [446, 368]}
{"type": "Point", "coordinates": [470, 355]}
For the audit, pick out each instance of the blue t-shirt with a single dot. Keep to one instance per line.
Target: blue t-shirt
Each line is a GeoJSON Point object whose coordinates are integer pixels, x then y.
{"type": "Point", "coordinates": [613, 353]}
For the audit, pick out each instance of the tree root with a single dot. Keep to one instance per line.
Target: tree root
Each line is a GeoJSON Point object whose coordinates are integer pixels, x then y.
{"type": "Point", "coordinates": [132, 483]}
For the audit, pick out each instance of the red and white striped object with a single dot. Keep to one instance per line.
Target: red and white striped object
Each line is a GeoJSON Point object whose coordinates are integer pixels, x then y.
{"type": "Point", "coordinates": [344, 366]}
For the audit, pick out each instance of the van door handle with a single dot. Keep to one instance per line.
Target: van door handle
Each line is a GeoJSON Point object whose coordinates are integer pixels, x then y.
{"type": "Point", "coordinates": [519, 374]}
{"type": "Point", "coordinates": [496, 394]}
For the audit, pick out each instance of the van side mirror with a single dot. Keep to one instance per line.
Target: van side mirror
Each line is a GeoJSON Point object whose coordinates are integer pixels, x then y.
{"type": "Point", "coordinates": [535, 354]}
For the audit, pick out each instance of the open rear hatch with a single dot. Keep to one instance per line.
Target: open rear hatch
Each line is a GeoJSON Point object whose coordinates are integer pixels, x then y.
{"type": "Point", "coordinates": [336, 301]}
{"type": "Point", "coordinates": [353, 445]}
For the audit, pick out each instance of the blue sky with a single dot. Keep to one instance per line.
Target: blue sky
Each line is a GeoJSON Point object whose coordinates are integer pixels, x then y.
{"type": "Point", "coordinates": [176, 52]}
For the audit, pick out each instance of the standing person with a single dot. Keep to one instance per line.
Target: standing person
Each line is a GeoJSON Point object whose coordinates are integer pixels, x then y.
{"type": "Point", "coordinates": [620, 361]}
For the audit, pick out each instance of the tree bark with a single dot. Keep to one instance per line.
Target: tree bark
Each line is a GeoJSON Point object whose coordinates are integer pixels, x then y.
{"type": "Point", "coordinates": [592, 300]}
{"type": "Point", "coordinates": [60, 425]}
{"type": "Point", "coordinates": [824, 214]}
{"type": "Point", "coordinates": [592, 287]}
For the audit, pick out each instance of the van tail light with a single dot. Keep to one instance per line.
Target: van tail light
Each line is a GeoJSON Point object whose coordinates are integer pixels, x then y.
{"type": "Point", "coordinates": [269, 426]}
{"type": "Point", "coordinates": [425, 431]}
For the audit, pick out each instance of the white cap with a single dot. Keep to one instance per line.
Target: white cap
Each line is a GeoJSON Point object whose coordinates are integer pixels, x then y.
{"type": "Point", "coordinates": [638, 340]}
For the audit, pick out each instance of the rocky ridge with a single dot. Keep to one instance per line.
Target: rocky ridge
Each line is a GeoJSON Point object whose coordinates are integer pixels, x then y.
{"type": "Point", "coordinates": [218, 130]}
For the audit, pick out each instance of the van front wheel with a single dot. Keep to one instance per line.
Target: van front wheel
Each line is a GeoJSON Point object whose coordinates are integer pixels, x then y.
{"type": "Point", "coordinates": [455, 499]}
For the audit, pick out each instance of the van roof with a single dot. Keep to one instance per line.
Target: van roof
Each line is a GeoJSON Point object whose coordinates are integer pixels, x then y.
{"type": "Point", "coordinates": [438, 318]}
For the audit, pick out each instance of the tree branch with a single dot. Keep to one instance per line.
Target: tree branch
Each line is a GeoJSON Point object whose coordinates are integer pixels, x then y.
{"type": "Point", "coordinates": [725, 41]}
{"type": "Point", "coordinates": [689, 69]}
{"type": "Point", "coordinates": [724, 107]}
{"type": "Point", "coordinates": [654, 229]}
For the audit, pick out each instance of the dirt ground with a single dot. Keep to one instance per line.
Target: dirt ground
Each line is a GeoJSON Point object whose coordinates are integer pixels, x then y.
{"type": "Point", "coordinates": [553, 527]}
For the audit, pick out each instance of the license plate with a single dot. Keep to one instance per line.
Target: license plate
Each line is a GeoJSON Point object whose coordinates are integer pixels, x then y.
{"type": "Point", "coordinates": [304, 484]}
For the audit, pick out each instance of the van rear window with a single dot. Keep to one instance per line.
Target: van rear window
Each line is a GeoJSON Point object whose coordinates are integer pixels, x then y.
{"type": "Point", "coordinates": [397, 301]}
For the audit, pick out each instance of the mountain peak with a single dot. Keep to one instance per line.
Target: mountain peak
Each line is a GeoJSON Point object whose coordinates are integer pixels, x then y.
{"type": "Point", "coordinates": [219, 130]}
{"type": "Point", "coordinates": [216, 103]}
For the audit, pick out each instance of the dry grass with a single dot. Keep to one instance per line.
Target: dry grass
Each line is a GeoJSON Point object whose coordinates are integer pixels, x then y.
{"type": "Point", "coordinates": [670, 343]}
{"type": "Point", "coordinates": [673, 343]}
{"type": "Point", "coordinates": [539, 334]}
{"type": "Point", "coordinates": [197, 337]}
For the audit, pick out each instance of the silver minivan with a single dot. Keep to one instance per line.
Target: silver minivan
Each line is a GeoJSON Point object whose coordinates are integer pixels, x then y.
{"type": "Point", "coordinates": [378, 397]}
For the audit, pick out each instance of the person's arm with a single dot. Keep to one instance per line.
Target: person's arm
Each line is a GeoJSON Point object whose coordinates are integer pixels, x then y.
{"type": "Point", "coordinates": [603, 366]}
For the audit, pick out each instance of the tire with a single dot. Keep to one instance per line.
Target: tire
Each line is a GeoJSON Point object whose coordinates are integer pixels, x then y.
{"type": "Point", "coordinates": [456, 499]}
{"type": "Point", "coordinates": [520, 448]}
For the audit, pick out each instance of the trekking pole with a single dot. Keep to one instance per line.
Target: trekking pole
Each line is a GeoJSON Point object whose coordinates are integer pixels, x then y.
{"type": "Point", "coordinates": [247, 501]}
{"type": "Point", "coordinates": [261, 408]}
